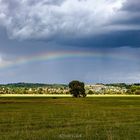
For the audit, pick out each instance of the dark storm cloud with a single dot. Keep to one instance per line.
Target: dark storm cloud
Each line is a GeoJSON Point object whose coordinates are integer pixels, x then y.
{"type": "Point", "coordinates": [102, 23]}
{"type": "Point", "coordinates": [129, 13]}
{"type": "Point", "coordinates": [110, 40]}
{"type": "Point", "coordinates": [115, 24]}
{"type": "Point", "coordinates": [123, 30]}
{"type": "Point", "coordinates": [132, 6]}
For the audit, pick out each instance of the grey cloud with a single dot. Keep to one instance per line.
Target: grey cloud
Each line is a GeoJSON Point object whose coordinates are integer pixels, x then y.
{"type": "Point", "coordinates": [34, 19]}
{"type": "Point", "coordinates": [90, 23]}
{"type": "Point", "coordinates": [132, 5]}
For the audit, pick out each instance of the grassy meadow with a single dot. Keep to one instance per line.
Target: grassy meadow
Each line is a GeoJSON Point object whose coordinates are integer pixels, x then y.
{"type": "Point", "coordinates": [54, 118]}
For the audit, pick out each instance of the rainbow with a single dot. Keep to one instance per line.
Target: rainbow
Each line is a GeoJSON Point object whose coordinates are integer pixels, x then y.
{"type": "Point", "coordinates": [47, 56]}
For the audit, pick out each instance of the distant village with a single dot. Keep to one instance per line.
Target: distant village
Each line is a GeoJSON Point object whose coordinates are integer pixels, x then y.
{"type": "Point", "coordinates": [103, 89]}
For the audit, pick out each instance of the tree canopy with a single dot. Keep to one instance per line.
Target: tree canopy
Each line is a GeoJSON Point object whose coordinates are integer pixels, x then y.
{"type": "Point", "coordinates": [77, 89]}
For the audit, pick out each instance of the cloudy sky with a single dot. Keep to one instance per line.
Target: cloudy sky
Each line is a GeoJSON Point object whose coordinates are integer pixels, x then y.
{"type": "Point", "coordinates": [56, 41]}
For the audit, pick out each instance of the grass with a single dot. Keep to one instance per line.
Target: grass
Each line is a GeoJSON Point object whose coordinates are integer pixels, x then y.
{"type": "Point", "coordinates": [53, 118]}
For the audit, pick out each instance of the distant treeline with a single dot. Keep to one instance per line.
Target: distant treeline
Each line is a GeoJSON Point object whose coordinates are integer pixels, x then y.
{"type": "Point", "coordinates": [39, 88]}
{"type": "Point", "coordinates": [37, 85]}
{"type": "Point", "coordinates": [32, 85]}
{"type": "Point", "coordinates": [120, 85]}
{"type": "Point", "coordinates": [127, 86]}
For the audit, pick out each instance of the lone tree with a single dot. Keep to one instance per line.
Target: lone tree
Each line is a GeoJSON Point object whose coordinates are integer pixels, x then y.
{"type": "Point", "coordinates": [77, 89]}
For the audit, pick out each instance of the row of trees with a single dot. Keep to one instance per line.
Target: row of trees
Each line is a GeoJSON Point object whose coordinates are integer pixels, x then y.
{"type": "Point", "coordinates": [76, 88]}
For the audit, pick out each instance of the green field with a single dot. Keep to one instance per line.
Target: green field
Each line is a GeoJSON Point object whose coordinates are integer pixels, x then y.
{"type": "Point", "coordinates": [50, 118]}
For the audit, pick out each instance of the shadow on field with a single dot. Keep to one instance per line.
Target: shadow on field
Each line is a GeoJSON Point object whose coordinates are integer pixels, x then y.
{"type": "Point", "coordinates": [54, 97]}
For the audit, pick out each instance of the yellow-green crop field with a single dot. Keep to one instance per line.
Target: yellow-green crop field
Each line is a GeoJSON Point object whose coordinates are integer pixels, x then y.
{"type": "Point", "coordinates": [54, 118]}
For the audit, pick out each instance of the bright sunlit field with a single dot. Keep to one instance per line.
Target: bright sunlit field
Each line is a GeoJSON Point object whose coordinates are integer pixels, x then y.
{"type": "Point", "coordinates": [54, 118]}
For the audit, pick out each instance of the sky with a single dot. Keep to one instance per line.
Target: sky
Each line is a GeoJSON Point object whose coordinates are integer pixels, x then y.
{"type": "Point", "coordinates": [56, 41]}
